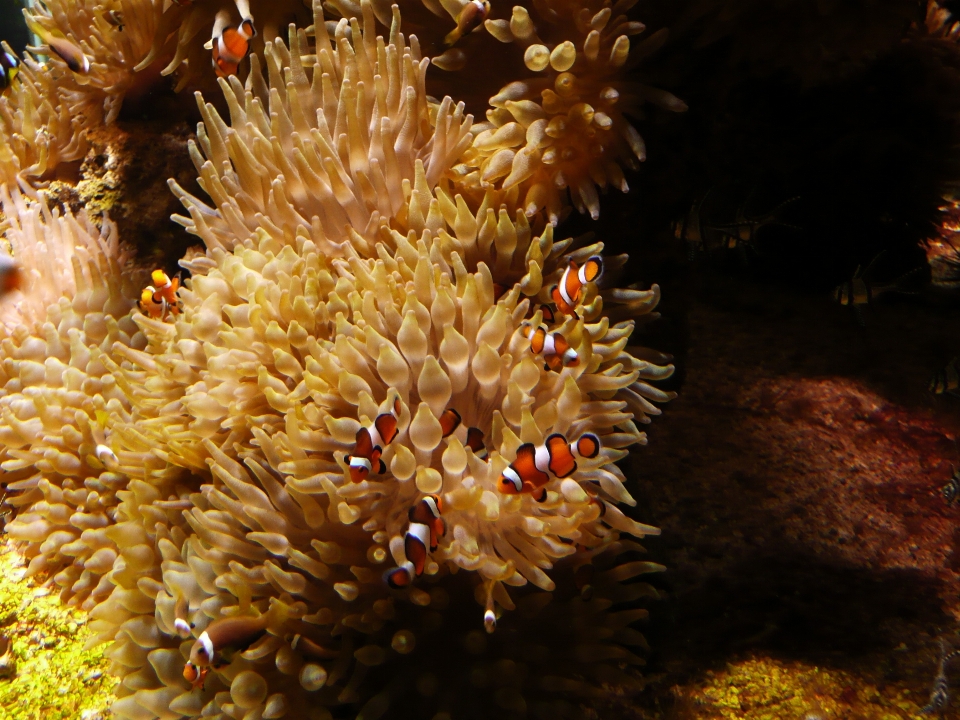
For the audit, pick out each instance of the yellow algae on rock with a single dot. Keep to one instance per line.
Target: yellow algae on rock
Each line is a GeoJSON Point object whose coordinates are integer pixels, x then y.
{"type": "Point", "coordinates": [56, 677]}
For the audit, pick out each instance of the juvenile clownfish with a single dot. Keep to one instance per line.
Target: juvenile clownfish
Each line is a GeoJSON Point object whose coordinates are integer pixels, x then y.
{"type": "Point", "coordinates": [470, 17]}
{"type": "Point", "coordinates": [11, 276]}
{"type": "Point", "coordinates": [451, 424]}
{"type": "Point", "coordinates": [566, 295]}
{"type": "Point", "coordinates": [425, 528]}
{"type": "Point", "coordinates": [63, 48]}
{"type": "Point", "coordinates": [9, 67]}
{"type": "Point", "coordinates": [167, 290]}
{"type": "Point", "coordinates": [534, 465]}
{"type": "Point", "coordinates": [232, 47]}
{"type": "Point", "coordinates": [556, 351]}
{"type": "Point", "coordinates": [372, 440]}
{"type": "Point", "coordinates": [222, 639]}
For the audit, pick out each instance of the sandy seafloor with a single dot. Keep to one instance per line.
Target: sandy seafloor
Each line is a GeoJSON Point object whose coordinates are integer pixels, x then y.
{"type": "Point", "coordinates": [812, 562]}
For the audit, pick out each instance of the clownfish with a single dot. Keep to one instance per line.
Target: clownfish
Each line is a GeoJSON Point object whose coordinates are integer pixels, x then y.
{"type": "Point", "coordinates": [452, 424]}
{"type": "Point", "coordinates": [371, 442]}
{"type": "Point", "coordinates": [546, 312]}
{"type": "Point", "coordinates": [425, 528]}
{"type": "Point", "coordinates": [181, 625]}
{"type": "Point", "coordinates": [222, 639]}
{"type": "Point", "coordinates": [11, 276]}
{"type": "Point", "coordinates": [63, 48]}
{"type": "Point", "coordinates": [470, 17]}
{"type": "Point", "coordinates": [9, 67]}
{"type": "Point", "coordinates": [167, 289]}
{"type": "Point", "coordinates": [232, 47]}
{"type": "Point", "coordinates": [534, 465]}
{"type": "Point", "coordinates": [556, 351]}
{"type": "Point", "coordinates": [566, 295]}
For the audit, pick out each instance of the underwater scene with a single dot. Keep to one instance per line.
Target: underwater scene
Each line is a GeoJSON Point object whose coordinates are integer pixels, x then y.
{"type": "Point", "coordinates": [470, 360]}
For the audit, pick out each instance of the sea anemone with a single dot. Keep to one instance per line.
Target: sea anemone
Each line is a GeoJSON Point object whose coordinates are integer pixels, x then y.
{"type": "Point", "coordinates": [565, 127]}
{"type": "Point", "coordinates": [109, 38]}
{"type": "Point", "coordinates": [177, 470]}
{"type": "Point", "coordinates": [59, 467]}
{"type": "Point", "coordinates": [36, 128]}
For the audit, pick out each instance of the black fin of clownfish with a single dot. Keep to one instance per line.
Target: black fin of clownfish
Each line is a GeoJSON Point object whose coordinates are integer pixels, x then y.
{"type": "Point", "coordinates": [383, 468]}
{"type": "Point", "coordinates": [541, 497]}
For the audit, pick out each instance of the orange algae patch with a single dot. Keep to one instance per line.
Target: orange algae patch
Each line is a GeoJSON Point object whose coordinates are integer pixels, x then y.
{"type": "Point", "coordinates": [56, 678]}
{"type": "Point", "coordinates": [761, 688]}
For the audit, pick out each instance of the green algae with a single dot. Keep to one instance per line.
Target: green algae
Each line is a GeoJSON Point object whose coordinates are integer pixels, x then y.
{"type": "Point", "coordinates": [56, 678]}
{"type": "Point", "coordinates": [763, 688]}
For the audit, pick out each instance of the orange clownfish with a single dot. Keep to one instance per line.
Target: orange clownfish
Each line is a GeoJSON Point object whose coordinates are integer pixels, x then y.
{"type": "Point", "coordinates": [451, 424]}
{"type": "Point", "coordinates": [556, 351]}
{"type": "Point", "coordinates": [157, 302]}
{"type": "Point", "coordinates": [534, 465]}
{"type": "Point", "coordinates": [371, 442]}
{"type": "Point", "coordinates": [167, 289]}
{"type": "Point", "coordinates": [566, 295]}
{"type": "Point", "coordinates": [425, 528]}
{"type": "Point", "coordinates": [217, 644]}
{"type": "Point", "coordinates": [11, 276]}
{"type": "Point", "coordinates": [232, 47]}
{"type": "Point", "coordinates": [470, 17]}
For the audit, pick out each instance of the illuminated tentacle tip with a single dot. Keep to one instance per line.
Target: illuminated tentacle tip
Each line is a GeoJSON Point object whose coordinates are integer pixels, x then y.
{"type": "Point", "coordinates": [489, 621]}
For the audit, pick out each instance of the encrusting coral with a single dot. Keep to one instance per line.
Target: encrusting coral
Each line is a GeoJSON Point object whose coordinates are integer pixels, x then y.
{"type": "Point", "coordinates": [178, 470]}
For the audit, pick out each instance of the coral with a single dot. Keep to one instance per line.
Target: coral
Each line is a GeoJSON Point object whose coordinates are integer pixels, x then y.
{"type": "Point", "coordinates": [73, 307]}
{"type": "Point", "coordinates": [566, 126]}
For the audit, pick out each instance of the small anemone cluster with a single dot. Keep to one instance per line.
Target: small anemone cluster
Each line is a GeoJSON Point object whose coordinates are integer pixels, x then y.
{"type": "Point", "coordinates": [565, 128]}
{"type": "Point", "coordinates": [174, 471]}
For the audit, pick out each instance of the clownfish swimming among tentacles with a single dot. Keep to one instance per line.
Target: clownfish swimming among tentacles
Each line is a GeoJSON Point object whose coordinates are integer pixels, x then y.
{"type": "Point", "coordinates": [424, 531]}
{"type": "Point", "coordinates": [11, 276]}
{"type": "Point", "coordinates": [9, 67]}
{"type": "Point", "coordinates": [470, 17]}
{"type": "Point", "coordinates": [567, 293]}
{"type": "Point", "coordinates": [534, 465]}
{"type": "Point", "coordinates": [157, 301]}
{"type": "Point", "coordinates": [452, 424]}
{"type": "Point", "coordinates": [372, 440]}
{"type": "Point", "coordinates": [556, 351]}
{"type": "Point", "coordinates": [223, 639]}
{"type": "Point", "coordinates": [62, 47]}
{"type": "Point", "coordinates": [231, 46]}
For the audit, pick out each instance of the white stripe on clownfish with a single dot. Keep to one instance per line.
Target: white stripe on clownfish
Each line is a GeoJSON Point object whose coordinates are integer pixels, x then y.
{"type": "Point", "coordinates": [425, 528]}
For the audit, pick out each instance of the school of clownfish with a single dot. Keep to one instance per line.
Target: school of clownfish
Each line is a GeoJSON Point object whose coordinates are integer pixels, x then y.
{"type": "Point", "coordinates": [528, 474]}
